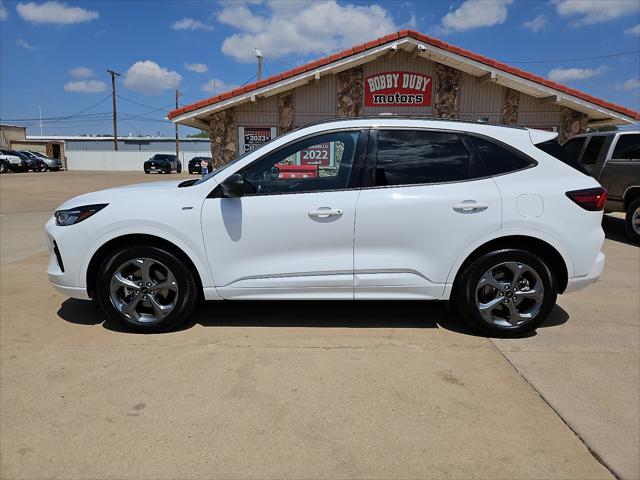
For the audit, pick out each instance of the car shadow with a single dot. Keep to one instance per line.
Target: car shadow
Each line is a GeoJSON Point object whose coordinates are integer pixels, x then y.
{"type": "Point", "coordinates": [309, 314]}
{"type": "Point", "coordinates": [614, 229]}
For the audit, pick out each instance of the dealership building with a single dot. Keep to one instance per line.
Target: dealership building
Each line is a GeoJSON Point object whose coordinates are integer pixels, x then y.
{"type": "Point", "coordinates": [405, 73]}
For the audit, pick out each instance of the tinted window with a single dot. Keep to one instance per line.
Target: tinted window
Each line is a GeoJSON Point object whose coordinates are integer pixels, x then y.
{"type": "Point", "coordinates": [573, 147]}
{"type": "Point", "coordinates": [407, 157]}
{"type": "Point", "coordinates": [592, 151]}
{"type": "Point", "coordinates": [554, 149]}
{"type": "Point", "coordinates": [160, 156]}
{"type": "Point", "coordinates": [628, 147]}
{"type": "Point", "coordinates": [319, 163]}
{"type": "Point", "coordinates": [498, 159]}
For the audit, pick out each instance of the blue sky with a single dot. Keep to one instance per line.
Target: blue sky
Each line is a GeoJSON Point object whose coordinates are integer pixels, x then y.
{"type": "Point", "coordinates": [54, 55]}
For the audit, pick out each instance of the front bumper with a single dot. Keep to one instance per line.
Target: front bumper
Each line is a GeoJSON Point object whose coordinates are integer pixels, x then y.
{"type": "Point", "coordinates": [577, 283]}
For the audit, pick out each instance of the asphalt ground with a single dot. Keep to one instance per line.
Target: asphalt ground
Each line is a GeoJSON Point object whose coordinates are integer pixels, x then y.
{"type": "Point", "coordinates": [307, 389]}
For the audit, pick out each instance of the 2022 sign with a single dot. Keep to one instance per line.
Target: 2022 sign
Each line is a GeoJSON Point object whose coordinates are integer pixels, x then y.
{"type": "Point", "coordinates": [405, 89]}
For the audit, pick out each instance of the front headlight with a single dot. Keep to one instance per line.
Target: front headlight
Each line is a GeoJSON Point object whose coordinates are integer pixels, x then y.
{"type": "Point", "coordinates": [76, 215]}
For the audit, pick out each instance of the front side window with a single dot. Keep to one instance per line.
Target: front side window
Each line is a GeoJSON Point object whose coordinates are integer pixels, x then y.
{"type": "Point", "coordinates": [627, 148]}
{"type": "Point", "coordinates": [409, 157]}
{"type": "Point", "coordinates": [319, 163]}
{"type": "Point", "coordinates": [573, 147]}
{"type": "Point", "coordinates": [592, 151]}
{"type": "Point", "coordinates": [497, 158]}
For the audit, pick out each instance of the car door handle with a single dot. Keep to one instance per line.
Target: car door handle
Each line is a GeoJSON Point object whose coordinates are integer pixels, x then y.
{"type": "Point", "coordinates": [324, 212]}
{"type": "Point", "coordinates": [470, 206]}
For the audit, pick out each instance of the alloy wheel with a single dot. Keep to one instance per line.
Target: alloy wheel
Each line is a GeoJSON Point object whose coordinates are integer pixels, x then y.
{"type": "Point", "coordinates": [509, 294]}
{"type": "Point", "coordinates": [143, 290]}
{"type": "Point", "coordinates": [635, 220]}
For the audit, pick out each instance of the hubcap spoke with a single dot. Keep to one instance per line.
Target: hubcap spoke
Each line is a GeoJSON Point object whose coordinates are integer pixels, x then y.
{"type": "Point", "coordinates": [161, 310]}
{"type": "Point", "coordinates": [514, 315]}
{"type": "Point", "coordinates": [489, 279]}
{"type": "Point", "coordinates": [124, 282]}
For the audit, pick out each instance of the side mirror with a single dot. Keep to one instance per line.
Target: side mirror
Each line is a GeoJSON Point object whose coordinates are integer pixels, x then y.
{"type": "Point", "coordinates": [233, 186]}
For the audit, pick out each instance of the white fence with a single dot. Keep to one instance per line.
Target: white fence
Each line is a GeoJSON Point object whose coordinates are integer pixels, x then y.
{"type": "Point", "coordinates": [123, 161]}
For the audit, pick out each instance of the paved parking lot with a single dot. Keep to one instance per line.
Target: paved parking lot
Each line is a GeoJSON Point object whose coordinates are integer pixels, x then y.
{"type": "Point", "coordinates": [307, 389]}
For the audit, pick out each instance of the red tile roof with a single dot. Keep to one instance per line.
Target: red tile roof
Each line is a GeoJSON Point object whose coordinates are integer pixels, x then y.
{"type": "Point", "coordinates": [388, 39]}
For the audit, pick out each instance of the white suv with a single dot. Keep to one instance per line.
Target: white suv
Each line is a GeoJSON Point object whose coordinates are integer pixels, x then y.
{"type": "Point", "coordinates": [383, 209]}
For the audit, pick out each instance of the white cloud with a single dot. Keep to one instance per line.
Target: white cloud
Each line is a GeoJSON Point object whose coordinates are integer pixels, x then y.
{"type": "Point", "coordinates": [190, 24]}
{"type": "Point", "coordinates": [86, 86]}
{"type": "Point", "coordinates": [55, 12]}
{"type": "Point", "coordinates": [631, 84]}
{"type": "Point", "coordinates": [81, 72]}
{"type": "Point", "coordinates": [150, 78]}
{"type": "Point", "coordinates": [288, 27]}
{"type": "Point", "coordinates": [3, 12]}
{"type": "Point", "coordinates": [568, 74]}
{"type": "Point", "coordinates": [536, 23]}
{"type": "Point", "coordinates": [476, 14]}
{"type": "Point", "coordinates": [595, 11]}
{"type": "Point", "coordinates": [196, 67]}
{"type": "Point", "coordinates": [26, 45]}
{"type": "Point", "coordinates": [216, 86]}
{"type": "Point", "coordinates": [633, 30]}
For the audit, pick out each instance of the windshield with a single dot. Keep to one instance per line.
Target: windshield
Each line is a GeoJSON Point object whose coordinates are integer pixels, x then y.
{"type": "Point", "coordinates": [553, 148]}
{"type": "Point", "coordinates": [160, 156]}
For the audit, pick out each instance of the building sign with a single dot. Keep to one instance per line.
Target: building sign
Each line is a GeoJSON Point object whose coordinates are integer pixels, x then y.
{"type": "Point", "coordinates": [253, 137]}
{"type": "Point", "coordinates": [398, 89]}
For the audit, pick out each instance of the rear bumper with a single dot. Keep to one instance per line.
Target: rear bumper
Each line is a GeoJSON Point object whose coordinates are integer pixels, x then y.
{"type": "Point", "coordinates": [577, 283]}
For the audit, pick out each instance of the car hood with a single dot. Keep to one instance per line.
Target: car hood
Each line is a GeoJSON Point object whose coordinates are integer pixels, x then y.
{"type": "Point", "coordinates": [143, 191]}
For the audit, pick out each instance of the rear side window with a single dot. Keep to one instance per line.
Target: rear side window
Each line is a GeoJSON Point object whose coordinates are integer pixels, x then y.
{"type": "Point", "coordinates": [409, 157]}
{"type": "Point", "coordinates": [573, 147]}
{"type": "Point", "coordinates": [497, 158]}
{"type": "Point", "coordinates": [592, 151]}
{"type": "Point", "coordinates": [628, 147]}
{"type": "Point", "coordinates": [554, 149]}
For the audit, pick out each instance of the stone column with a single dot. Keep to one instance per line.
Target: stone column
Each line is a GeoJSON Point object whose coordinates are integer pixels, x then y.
{"type": "Point", "coordinates": [447, 92]}
{"type": "Point", "coordinates": [224, 147]}
{"type": "Point", "coordinates": [572, 123]}
{"type": "Point", "coordinates": [510, 107]}
{"type": "Point", "coordinates": [350, 84]}
{"type": "Point", "coordinates": [285, 113]}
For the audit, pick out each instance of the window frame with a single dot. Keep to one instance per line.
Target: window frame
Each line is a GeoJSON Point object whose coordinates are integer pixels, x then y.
{"type": "Point", "coordinates": [615, 145]}
{"type": "Point", "coordinates": [355, 182]}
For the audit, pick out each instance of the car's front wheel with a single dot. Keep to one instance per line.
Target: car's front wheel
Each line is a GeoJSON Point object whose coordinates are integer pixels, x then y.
{"type": "Point", "coordinates": [146, 289]}
{"type": "Point", "coordinates": [506, 292]}
{"type": "Point", "coordinates": [3, 167]}
{"type": "Point", "coordinates": [632, 221]}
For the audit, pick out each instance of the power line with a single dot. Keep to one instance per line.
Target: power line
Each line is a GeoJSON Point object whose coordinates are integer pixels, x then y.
{"type": "Point", "coordinates": [619, 54]}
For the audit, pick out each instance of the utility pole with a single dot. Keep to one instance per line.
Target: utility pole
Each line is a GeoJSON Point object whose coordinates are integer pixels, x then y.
{"type": "Point", "coordinates": [115, 117]}
{"type": "Point", "coordinates": [177, 142]}
{"type": "Point", "coordinates": [40, 113]}
{"type": "Point", "coordinates": [260, 60]}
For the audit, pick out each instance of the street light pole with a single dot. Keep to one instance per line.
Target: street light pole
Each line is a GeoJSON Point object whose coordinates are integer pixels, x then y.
{"type": "Point", "coordinates": [115, 116]}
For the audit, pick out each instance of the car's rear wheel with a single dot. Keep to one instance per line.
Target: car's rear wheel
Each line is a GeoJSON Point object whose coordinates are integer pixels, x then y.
{"type": "Point", "coordinates": [146, 289]}
{"type": "Point", "coordinates": [632, 221]}
{"type": "Point", "coordinates": [506, 292]}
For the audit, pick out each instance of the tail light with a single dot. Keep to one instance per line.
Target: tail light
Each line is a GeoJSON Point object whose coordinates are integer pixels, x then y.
{"type": "Point", "coordinates": [592, 199]}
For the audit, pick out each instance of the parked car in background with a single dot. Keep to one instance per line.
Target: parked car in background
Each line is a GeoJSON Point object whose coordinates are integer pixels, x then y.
{"type": "Point", "coordinates": [613, 158]}
{"type": "Point", "coordinates": [195, 164]}
{"type": "Point", "coordinates": [386, 209]}
{"type": "Point", "coordinates": [36, 164]}
{"type": "Point", "coordinates": [52, 163]}
{"type": "Point", "coordinates": [163, 163]}
{"type": "Point", "coordinates": [12, 161]}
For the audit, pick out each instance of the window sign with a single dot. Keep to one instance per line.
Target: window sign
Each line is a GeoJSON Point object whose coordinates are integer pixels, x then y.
{"type": "Point", "coordinates": [401, 89]}
{"type": "Point", "coordinates": [252, 137]}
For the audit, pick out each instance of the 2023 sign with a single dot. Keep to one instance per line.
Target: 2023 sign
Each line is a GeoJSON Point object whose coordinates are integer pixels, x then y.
{"type": "Point", "coordinates": [398, 89]}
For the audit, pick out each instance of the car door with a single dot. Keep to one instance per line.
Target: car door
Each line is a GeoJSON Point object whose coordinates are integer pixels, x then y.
{"type": "Point", "coordinates": [622, 170]}
{"type": "Point", "coordinates": [291, 234]}
{"type": "Point", "coordinates": [431, 198]}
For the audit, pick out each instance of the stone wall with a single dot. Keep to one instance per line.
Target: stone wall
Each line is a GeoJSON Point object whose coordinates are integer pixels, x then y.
{"type": "Point", "coordinates": [285, 113]}
{"type": "Point", "coordinates": [350, 87]}
{"type": "Point", "coordinates": [510, 107]}
{"type": "Point", "coordinates": [572, 123]}
{"type": "Point", "coordinates": [223, 135]}
{"type": "Point", "coordinates": [446, 92]}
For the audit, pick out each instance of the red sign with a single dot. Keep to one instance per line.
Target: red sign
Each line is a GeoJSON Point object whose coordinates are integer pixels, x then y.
{"type": "Point", "coordinates": [297, 171]}
{"type": "Point", "coordinates": [316, 155]}
{"type": "Point", "coordinates": [394, 89]}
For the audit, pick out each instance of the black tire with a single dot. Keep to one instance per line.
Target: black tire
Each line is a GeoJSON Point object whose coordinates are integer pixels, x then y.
{"type": "Point", "coordinates": [464, 297]}
{"type": "Point", "coordinates": [3, 167]}
{"type": "Point", "coordinates": [147, 171]}
{"type": "Point", "coordinates": [632, 233]}
{"type": "Point", "coordinates": [179, 168]}
{"type": "Point", "coordinates": [44, 168]}
{"type": "Point", "coordinates": [184, 300]}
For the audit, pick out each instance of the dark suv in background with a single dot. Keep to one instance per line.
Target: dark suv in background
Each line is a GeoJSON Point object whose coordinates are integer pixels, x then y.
{"type": "Point", "coordinates": [163, 163]}
{"type": "Point", "coordinates": [613, 158]}
{"type": "Point", "coordinates": [195, 165]}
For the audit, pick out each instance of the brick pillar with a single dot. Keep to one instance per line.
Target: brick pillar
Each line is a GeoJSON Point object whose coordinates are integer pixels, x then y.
{"type": "Point", "coordinates": [223, 137]}
{"type": "Point", "coordinates": [350, 84]}
{"type": "Point", "coordinates": [447, 92]}
{"type": "Point", "coordinates": [510, 107]}
{"type": "Point", "coordinates": [285, 113]}
{"type": "Point", "coordinates": [571, 123]}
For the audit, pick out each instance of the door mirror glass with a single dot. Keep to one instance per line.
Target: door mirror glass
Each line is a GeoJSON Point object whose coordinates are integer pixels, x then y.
{"type": "Point", "coordinates": [233, 186]}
